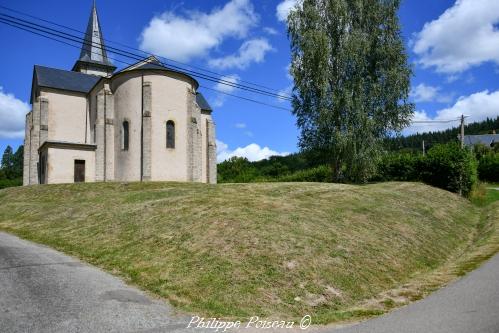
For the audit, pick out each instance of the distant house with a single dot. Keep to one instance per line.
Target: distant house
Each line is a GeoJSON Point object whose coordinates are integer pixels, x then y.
{"type": "Point", "coordinates": [488, 140]}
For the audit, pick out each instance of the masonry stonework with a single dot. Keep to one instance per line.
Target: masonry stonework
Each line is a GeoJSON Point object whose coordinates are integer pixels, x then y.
{"type": "Point", "coordinates": [79, 117]}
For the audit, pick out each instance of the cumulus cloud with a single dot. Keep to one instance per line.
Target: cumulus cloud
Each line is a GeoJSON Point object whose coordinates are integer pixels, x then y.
{"type": "Point", "coordinates": [12, 116]}
{"type": "Point", "coordinates": [253, 152]}
{"type": "Point", "coordinates": [464, 36]}
{"type": "Point", "coordinates": [225, 88]}
{"type": "Point", "coordinates": [284, 8]}
{"type": "Point", "coordinates": [477, 106]}
{"type": "Point", "coordinates": [253, 50]}
{"type": "Point", "coordinates": [426, 93]}
{"type": "Point", "coordinates": [183, 37]}
{"type": "Point", "coordinates": [270, 31]}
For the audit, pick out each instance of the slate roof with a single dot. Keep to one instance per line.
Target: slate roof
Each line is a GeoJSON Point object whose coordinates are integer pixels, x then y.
{"type": "Point", "coordinates": [65, 80]}
{"type": "Point", "coordinates": [486, 139]}
{"type": "Point", "coordinates": [80, 82]}
{"type": "Point", "coordinates": [203, 104]}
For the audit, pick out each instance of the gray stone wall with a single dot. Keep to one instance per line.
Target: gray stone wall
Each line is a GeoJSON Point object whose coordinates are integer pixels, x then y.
{"type": "Point", "coordinates": [147, 130]}
{"type": "Point", "coordinates": [190, 134]}
{"type": "Point", "coordinates": [35, 142]}
{"type": "Point", "coordinates": [44, 119]}
{"type": "Point", "coordinates": [27, 148]}
{"type": "Point", "coordinates": [212, 152]}
{"type": "Point", "coordinates": [197, 170]}
{"type": "Point", "coordinates": [109, 133]}
{"type": "Point", "coordinates": [100, 138]}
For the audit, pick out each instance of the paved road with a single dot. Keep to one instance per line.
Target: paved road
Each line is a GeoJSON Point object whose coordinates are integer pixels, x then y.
{"type": "Point", "coordinates": [470, 305]}
{"type": "Point", "coordinates": [42, 290]}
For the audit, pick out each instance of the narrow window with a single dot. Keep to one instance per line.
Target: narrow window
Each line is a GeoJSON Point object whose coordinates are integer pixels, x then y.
{"type": "Point", "coordinates": [170, 134]}
{"type": "Point", "coordinates": [124, 143]}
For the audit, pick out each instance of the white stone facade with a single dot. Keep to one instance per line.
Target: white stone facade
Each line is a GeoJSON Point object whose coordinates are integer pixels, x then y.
{"type": "Point", "coordinates": [93, 124]}
{"type": "Point", "coordinates": [65, 126]}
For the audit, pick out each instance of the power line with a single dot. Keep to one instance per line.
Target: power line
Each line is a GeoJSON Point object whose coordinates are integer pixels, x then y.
{"type": "Point", "coordinates": [282, 96]}
{"type": "Point", "coordinates": [130, 64]}
{"type": "Point", "coordinates": [127, 54]}
{"type": "Point", "coordinates": [248, 99]}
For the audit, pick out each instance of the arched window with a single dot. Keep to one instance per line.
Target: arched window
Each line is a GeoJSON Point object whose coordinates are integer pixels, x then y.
{"type": "Point", "coordinates": [170, 134]}
{"type": "Point", "coordinates": [124, 141]}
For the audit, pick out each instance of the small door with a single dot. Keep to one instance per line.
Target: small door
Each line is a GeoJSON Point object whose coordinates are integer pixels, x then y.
{"type": "Point", "coordinates": [79, 171]}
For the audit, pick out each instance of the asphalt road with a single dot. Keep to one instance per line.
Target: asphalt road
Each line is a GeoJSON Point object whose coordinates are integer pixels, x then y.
{"type": "Point", "coordinates": [42, 290]}
{"type": "Point", "coordinates": [469, 305]}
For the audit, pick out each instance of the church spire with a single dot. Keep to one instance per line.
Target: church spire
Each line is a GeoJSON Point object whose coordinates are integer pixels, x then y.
{"type": "Point", "coordinates": [93, 57]}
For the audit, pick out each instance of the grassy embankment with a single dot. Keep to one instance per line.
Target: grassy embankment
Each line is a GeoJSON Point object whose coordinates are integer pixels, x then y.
{"type": "Point", "coordinates": [277, 250]}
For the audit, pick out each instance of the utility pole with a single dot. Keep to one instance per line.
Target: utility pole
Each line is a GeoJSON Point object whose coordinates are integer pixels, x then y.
{"type": "Point", "coordinates": [423, 149]}
{"type": "Point", "coordinates": [462, 131]}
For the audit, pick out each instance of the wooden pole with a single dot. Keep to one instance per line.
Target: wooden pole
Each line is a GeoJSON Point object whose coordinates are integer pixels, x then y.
{"type": "Point", "coordinates": [462, 131]}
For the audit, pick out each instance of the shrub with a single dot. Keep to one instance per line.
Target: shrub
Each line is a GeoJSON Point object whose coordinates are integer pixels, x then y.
{"type": "Point", "coordinates": [4, 183]}
{"type": "Point", "coordinates": [488, 167]}
{"type": "Point", "coordinates": [450, 167]}
{"type": "Point", "coordinates": [403, 167]}
{"type": "Point", "coordinates": [321, 173]}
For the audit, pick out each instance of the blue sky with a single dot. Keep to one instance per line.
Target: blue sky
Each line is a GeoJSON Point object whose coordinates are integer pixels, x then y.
{"type": "Point", "coordinates": [453, 47]}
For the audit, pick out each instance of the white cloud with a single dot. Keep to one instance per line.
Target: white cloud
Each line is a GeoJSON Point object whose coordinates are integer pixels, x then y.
{"type": "Point", "coordinates": [253, 50]}
{"type": "Point", "coordinates": [464, 36]}
{"type": "Point", "coordinates": [227, 87]}
{"type": "Point", "coordinates": [183, 37]}
{"type": "Point", "coordinates": [12, 116]}
{"type": "Point", "coordinates": [284, 8]}
{"type": "Point", "coordinates": [253, 152]}
{"type": "Point", "coordinates": [288, 91]}
{"type": "Point", "coordinates": [224, 88]}
{"type": "Point", "coordinates": [426, 93]}
{"type": "Point", "coordinates": [240, 125]}
{"type": "Point", "coordinates": [270, 31]}
{"type": "Point", "coordinates": [477, 106]}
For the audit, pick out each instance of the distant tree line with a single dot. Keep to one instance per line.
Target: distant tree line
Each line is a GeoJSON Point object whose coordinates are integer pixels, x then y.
{"type": "Point", "coordinates": [402, 161]}
{"type": "Point", "coordinates": [414, 142]}
{"type": "Point", "coordinates": [11, 168]}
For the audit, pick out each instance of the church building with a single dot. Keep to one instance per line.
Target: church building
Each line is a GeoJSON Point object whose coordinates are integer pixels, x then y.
{"type": "Point", "coordinates": [146, 122]}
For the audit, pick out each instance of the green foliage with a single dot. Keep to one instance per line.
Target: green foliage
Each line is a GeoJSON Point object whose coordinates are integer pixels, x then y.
{"type": "Point", "coordinates": [400, 167]}
{"type": "Point", "coordinates": [488, 167]}
{"type": "Point", "coordinates": [4, 183]}
{"type": "Point", "coordinates": [352, 81]}
{"type": "Point", "coordinates": [11, 170]}
{"type": "Point", "coordinates": [446, 166]}
{"type": "Point", "coordinates": [413, 143]}
{"type": "Point", "coordinates": [236, 170]}
{"type": "Point", "coordinates": [321, 173]}
{"type": "Point", "coordinates": [450, 167]}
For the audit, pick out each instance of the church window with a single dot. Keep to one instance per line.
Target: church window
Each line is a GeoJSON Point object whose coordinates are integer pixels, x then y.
{"type": "Point", "coordinates": [125, 137]}
{"type": "Point", "coordinates": [170, 134]}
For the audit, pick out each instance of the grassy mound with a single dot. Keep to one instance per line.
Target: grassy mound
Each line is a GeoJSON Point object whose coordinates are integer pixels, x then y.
{"type": "Point", "coordinates": [277, 250]}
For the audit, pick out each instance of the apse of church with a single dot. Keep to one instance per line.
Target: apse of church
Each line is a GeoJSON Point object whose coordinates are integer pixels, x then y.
{"type": "Point", "coordinates": [146, 122]}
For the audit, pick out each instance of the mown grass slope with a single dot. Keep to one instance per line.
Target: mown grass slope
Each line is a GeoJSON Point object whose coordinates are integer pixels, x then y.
{"type": "Point", "coordinates": [278, 250]}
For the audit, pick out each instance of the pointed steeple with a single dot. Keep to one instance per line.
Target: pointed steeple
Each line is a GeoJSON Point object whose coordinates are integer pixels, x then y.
{"type": "Point", "coordinates": [93, 57]}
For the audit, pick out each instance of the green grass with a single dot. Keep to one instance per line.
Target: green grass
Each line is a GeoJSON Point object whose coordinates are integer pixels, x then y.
{"type": "Point", "coordinates": [277, 250]}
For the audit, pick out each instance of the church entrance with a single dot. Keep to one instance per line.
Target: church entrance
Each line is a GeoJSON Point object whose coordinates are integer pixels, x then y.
{"type": "Point", "coordinates": [79, 171]}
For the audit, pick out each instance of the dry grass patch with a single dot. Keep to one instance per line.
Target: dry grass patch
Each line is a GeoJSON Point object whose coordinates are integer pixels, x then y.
{"type": "Point", "coordinates": [277, 250]}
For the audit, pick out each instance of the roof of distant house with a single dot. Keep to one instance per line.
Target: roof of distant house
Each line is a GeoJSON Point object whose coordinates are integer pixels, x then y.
{"type": "Point", "coordinates": [486, 139]}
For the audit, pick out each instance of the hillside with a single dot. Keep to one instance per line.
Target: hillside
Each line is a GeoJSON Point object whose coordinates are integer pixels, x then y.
{"type": "Point", "coordinates": [269, 249]}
